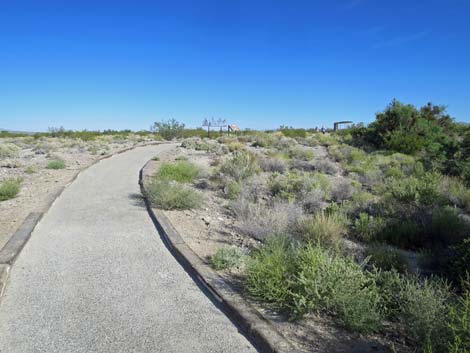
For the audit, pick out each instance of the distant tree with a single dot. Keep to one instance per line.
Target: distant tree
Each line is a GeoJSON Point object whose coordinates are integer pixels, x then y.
{"type": "Point", "coordinates": [168, 129]}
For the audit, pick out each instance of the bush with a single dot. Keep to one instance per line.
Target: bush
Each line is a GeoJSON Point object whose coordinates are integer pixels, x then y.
{"type": "Point", "coordinates": [169, 129]}
{"type": "Point", "coordinates": [387, 258]}
{"type": "Point", "coordinates": [325, 281]}
{"type": "Point", "coordinates": [55, 164]}
{"type": "Point", "coordinates": [459, 325]}
{"type": "Point", "coordinates": [458, 263]}
{"type": "Point", "coordinates": [456, 193]}
{"type": "Point", "coordinates": [272, 164]}
{"type": "Point", "coordinates": [269, 271]}
{"type": "Point", "coordinates": [182, 172]}
{"type": "Point", "coordinates": [291, 132]}
{"type": "Point", "coordinates": [403, 234]}
{"type": "Point", "coordinates": [240, 166]}
{"type": "Point", "coordinates": [447, 227]}
{"type": "Point", "coordinates": [302, 153]}
{"type": "Point", "coordinates": [232, 190]}
{"type": "Point", "coordinates": [9, 150]}
{"type": "Point", "coordinates": [30, 170]}
{"type": "Point", "coordinates": [322, 229]}
{"type": "Point", "coordinates": [170, 195]}
{"type": "Point", "coordinates": [228, 257]}
{"type": "Point", "coordinates": [326, 166]}
{"type": "Point", "coordinates": [417, 191]}
{"type": "Point", "coordinates": [294, 185]}
{"type": "Point", "coordinates": [9, 188]}
{"type": "Point", "coordinates": [341, 190]}
{"type": "Point", "coordinates": [367, 228]}
{"type": "Point", "coordinates": [423, 312]}
{"type": "Point", "coordinates": [261, 221]}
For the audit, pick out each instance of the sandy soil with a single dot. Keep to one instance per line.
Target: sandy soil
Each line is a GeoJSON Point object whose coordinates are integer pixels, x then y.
{"type": "Point", "coordinates": [39, 183]}
{"type": "Point", "coordinates": [212, 227]}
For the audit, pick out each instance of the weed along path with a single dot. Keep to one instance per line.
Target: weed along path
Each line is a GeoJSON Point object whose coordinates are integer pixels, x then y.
{"type": "Point", "coordinates": [96, 277]}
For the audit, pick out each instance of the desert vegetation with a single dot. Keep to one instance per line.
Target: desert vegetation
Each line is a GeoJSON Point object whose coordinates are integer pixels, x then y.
{"type": "Point", "coordinates": [367, 225]}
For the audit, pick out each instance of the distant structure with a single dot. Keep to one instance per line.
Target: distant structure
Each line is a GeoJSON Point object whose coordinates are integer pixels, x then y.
{"type": "Point", "coordinates": [220, 123]}
{"type": "Point", "coordinates": [337, 125]}
{"type": "Point", "coordinates": [233, 128]}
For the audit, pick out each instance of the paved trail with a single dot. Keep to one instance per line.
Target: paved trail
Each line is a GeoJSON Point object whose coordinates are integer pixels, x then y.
{"type": "Point", "coordinates": [95, 277]}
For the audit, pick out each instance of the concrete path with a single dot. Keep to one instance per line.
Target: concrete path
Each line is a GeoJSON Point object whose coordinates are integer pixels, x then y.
{"type": "Point", "coordinates": [96, 277]}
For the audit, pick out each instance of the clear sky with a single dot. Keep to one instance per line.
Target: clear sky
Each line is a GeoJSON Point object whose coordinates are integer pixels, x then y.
{"type": "Point", "coordinates": [124, 64]}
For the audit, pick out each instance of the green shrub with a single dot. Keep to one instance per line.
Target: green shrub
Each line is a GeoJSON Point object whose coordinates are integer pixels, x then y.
{"type": "Point", "coordinates": [181, 172]}
{"type": "Point", "coordinates": [55, 164]}
{"type": "Point", "coordinates": [233, 189]}
{"type": "Point", "coordinates": [291, 132]}
{"type": "Point", "coordinates": [301, 153]}
{"type": "Point", "coordinates": [368, 228]}
{"type": "Point", "coordinates": [170, 195]}
{"type": "Point", "coordinates": [269, 271]}
{"type": "Point", "coordinates": [9, 188]}
{"type": "Point", "coordinates": [9, 150]}
{"type": "Point", "coordinates": [456, 192]}
{"type": "Point", "coordinates": [387, 258]}
{"type": "Point", "coordinates": [338, 284]}
{"type": "Point", "coordinates": [423, 313]}
{"type": "Point", "coordinates": [294, 185]}
{"type": "Point", "coordinates": [241, 166]}
{"type": "Point", "coordinates": [418, 191]}
{"type": "Point", "coordinates": [169, 129]}
{"type": "Point", "coordinates": [227, 257]}
{"type": "Point", "coordinates": [30, 170]}
{"type": "Point", "coordinates": [447, 227]}
{"type": "Point", "coordinates": [458, 263]}
{"type": "Point", "coordinates": [459, 325]}
{"type": "Point", "coordinates": [403, 234]}
{"type": "Point", "coordinates": [322, 229]}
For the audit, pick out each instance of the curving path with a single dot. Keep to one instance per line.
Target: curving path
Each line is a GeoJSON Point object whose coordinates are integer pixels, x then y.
{"type": "Point", "coordinates": [95, 277]}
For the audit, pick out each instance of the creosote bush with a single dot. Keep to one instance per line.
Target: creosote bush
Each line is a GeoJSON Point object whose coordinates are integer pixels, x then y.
{"type": "Point", "coordinates": [9, 150]}
{"type": "Point", "coordinates": [240, 166]}
{"type": "Point", "coordinates": [181, 171]}
{"type": "Point", "coordinates": [55, 164]}
{"type": "Point", "coordinates": [9, 188]}
{"type": "Point", "coordinates": [228, 257]}
{"type": "Point", "coordinates": [322, 228]}
{"type": "Point", "coordinates": [171, 195]}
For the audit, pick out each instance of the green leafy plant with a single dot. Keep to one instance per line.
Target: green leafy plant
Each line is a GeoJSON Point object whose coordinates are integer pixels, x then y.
{"type": "Point", "coordinates": [182, 172]}
{"type": "Point", "coordinates": [228, 257]}
{"type": "Point", "coordinates": [169, 129]}
{"type": "Point", "coordinates": [170, 195]}
{"type": "Point", "coordinates": [9, 188]}
{"type": "Point", "coordinates": [240, 166]}
{"type": "Point", "coordinates": [56, 164]}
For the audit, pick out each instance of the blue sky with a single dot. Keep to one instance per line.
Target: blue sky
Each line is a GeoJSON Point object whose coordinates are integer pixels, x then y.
{"type": "Point", "coordinates": [260, 64]}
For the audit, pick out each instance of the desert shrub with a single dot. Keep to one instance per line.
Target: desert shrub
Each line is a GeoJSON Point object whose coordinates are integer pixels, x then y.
{"type": "Point", "coordinates": [326, 281]}
{"type": "Point", "coordinates": [360, 202]}
{"type": "Point", "coordinates": [387, 258]}
{"type": "Point", "coordinates": [9, 188]}
{"type": "Point", "coordinates": [170, 195]}
{"type": "Point", "coordinates": [447, 227]}
{"type": "Point", "coordinates": [55, 164]}
{"type": "Point", "coordinates": [322, 228]}
{"type": "Point", "coordinates": [9, 150]}
{"type": "Point", "coordinates": [284, 144]}
{"type": "Point", "coordinates": [457, 263]}
{"type": "Point", "coordinates": [269, 270]}
{"type": "Point", "coordinates": [294, 185]}
{"type": "Point", "coordinates": [169, 129]}
{"type": "Point", "coordinates": [341, 190]}
{"type": "Point", "coordinates": [291, 132]}
{"type": "Point", "coordinates": [236, 146]}
{"type": "Point", "coordinates": [313, 200]}
{"type": "Point", "coordinates": [182, 172]}
{"type": "Point", "coordinates": [455, 191]}
{"type": "Point", "coordinates": [367, 228]}
{"type": "Point", "coordinates": [302, 153]}
{"type": "Point", "coordinates": [423, 313]}
{"type": "Point", "coordinates": [297, 164]}
{"type": "Point", "coordinates": [459, 325]}
{"type": "Point", "coordinates": [30, 170]}
{"type": "Point", "coordinates": [240, 166]}
{"type": "Point", "coordinates": [403, 234]}
{"type": "Point", "coordinates": [325, 166]}
{"type": "Point", "coordinates": [261, 221]}
{"type": "Point", "coordinates": [420, 191]}
{"type": "Point", "coordinates": [228, 257]}
{"type": "Point", "coordinates": [232, 189]}
{"type": "Point", "coordinates": [272, 164]}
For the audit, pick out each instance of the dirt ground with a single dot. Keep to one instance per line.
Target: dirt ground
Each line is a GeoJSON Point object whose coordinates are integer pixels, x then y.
{"type": "Point", "coordinates": [39, 183]}
{"type": "Point", "coordinates": [207, 229]}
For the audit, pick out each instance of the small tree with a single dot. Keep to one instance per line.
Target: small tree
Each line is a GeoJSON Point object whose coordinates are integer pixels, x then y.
{"type": "Point", "coordinates": [169, 129]}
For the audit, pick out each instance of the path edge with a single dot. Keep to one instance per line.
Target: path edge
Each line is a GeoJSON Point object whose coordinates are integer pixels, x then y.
{"type": "Point", "coordinates": [12, 249]}
{"type": "Point", "coordinates": [252, 323]}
